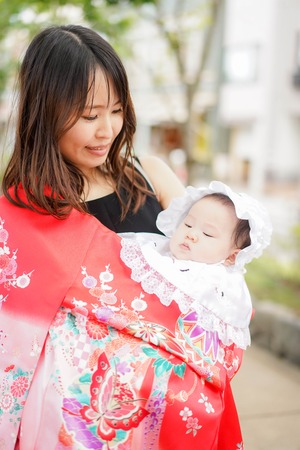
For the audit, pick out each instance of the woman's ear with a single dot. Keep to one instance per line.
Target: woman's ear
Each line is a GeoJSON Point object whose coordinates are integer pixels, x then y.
{"type": "Point", "coordinates": [230, 260]}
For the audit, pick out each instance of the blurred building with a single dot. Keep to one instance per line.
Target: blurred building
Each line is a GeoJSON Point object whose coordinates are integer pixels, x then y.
{"type": "Point", "coordinates": [259, 102]}
{"type": "Point", "coordinates": [247, 109]}
{"type": "Point", "coordinates": [248, 105]}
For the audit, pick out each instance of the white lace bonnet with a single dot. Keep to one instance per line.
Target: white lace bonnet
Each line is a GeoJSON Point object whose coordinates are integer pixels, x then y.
{"type": "Point", "coordinates": [246, 207]}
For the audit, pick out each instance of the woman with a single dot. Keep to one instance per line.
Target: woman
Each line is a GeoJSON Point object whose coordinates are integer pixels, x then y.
{"type": "Point", "coordinates": [76, 117]}
{"type": "Point", "coordinates": [90, 360]}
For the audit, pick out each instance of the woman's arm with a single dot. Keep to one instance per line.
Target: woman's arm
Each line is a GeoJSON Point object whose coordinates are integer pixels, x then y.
{"type": "Point", "coordinates": [166, 184]}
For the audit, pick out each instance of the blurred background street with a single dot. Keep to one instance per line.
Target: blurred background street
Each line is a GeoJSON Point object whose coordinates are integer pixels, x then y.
{"type": "Point", "coordinates": [267, 393]}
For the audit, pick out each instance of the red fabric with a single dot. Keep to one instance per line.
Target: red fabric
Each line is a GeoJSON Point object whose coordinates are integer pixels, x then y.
{"type": "Point", "coordinates": [55, 253]}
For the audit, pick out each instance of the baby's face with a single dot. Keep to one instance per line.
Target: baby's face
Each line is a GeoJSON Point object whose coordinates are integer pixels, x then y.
{"type": "Point", "coordinates": [205, 234]}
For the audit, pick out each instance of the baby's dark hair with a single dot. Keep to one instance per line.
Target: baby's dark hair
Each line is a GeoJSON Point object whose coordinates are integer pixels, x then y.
{"type": "Point", "coordinates": [241, 233]}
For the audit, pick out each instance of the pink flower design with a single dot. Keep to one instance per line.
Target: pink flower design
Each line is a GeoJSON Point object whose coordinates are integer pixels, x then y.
{"type": "Point", "coordinates": [229, 356]}
{"type": "Point", "coordinates": [19, 386]}
{"type": "Point", "coordinates": [11, 267]}
{"type": "Point", "coordinates": [118, 321]}
{"type": "Point", "coordinates": [96, 291]}
{"type": "Point", "coordinates": [4, 261]}
{"type": "Point", "coordinates": [60, 318]}
{"type": "Point", "coordinates": [192, 422]}
{"type": "Point", "coordinates": [89, 282]}
{"type": "Point", "coordinates": [3, 235]}
{"type": "Point", "coordinates": [192, 425]}
{"type": "Point", "coordinates": [109, 299]}
{"type": "Point", "coordinates": [8, 264]}
{"type": "Point", "coordinates": [104, 313]}
{"type": "Point", "coordinates": [170, 397]}
{"type": "Point", "coordinates": [96, 330]}
{"type": "Point", "coordinates": [6, 402]}
{"type": "Point", "coordinates": [123, 368]}
{"type": "Point", "coordinates": [2, 276]}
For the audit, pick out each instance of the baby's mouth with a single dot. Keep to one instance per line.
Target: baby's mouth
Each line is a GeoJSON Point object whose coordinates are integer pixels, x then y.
{"type": "Point", "coordinates": [185, 246]}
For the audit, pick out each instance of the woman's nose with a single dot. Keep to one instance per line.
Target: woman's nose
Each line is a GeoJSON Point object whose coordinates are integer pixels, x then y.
{"type": "Point", "coordinates": [104, 128]}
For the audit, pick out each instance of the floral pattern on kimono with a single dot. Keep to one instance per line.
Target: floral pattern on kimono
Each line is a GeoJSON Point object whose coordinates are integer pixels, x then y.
{"type": "Point", "coordinates": [93, 361]}
{"type": "Point", "coordinates": [115, 351]}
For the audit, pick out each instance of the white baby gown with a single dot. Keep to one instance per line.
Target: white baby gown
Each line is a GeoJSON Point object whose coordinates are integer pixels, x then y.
{"type": "Point", "coordinates": [218, 294]}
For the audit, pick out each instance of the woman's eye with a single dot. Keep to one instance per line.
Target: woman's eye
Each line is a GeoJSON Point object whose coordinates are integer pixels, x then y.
{"type": "Point", "coordinates": [118, 111]}
{"type": "Point", "coordinates": [90, 118]}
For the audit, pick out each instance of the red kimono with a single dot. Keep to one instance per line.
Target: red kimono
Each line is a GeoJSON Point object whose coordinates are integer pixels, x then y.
{"type": "Point", "coordinates": [91, 361]}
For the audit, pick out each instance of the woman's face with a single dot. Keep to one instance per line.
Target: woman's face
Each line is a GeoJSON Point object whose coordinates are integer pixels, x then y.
{"type": "Point", "coordinates": [88, 142]}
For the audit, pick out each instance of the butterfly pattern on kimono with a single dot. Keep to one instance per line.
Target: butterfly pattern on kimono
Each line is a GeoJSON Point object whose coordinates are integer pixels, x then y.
{"type": "Point", "coordinates": [112, 407]}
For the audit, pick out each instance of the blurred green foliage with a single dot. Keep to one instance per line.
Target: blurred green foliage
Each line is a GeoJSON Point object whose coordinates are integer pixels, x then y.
{"type": "Point", "coordinates": [12, 11]}
{"type": "Point", "coordinates": [277, 280]}
{"type": "Point", "coordinates": [110, 17]}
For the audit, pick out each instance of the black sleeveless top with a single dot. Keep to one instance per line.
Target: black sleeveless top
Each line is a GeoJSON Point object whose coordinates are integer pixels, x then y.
{"type": "Point", "coordinates": [108, 211]}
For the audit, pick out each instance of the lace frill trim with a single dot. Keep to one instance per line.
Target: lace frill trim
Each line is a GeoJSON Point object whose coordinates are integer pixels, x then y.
{"type": "Point", "coordinates": [154, 283]}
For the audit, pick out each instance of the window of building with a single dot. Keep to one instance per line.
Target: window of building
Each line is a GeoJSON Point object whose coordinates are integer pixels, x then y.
{"type": "Point", "coordinates": [240, 64]}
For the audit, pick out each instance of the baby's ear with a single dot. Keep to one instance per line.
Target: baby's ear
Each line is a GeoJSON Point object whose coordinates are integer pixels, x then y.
{"type": "Point", "coordinates": [230, 260]}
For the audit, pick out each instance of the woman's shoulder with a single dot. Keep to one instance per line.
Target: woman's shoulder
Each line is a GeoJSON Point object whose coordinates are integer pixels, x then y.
{"type": "Point", "coordinates": [164, 181]}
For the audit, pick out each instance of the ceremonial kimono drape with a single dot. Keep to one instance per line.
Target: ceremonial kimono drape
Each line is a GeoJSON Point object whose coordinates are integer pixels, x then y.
{"type": "Point", "coordinates": [91, 361]}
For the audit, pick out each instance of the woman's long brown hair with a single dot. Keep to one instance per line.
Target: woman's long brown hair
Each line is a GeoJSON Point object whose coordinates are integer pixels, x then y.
{"type": "Point", "coordinates": [55, 78]}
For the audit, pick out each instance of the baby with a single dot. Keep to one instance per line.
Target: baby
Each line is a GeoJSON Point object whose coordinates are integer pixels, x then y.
{"type": "Point", "coordinates": [210, 234]}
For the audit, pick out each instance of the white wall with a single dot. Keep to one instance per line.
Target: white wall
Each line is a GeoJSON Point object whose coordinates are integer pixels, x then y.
{"type": "Point", "coordinates": [268, 105]}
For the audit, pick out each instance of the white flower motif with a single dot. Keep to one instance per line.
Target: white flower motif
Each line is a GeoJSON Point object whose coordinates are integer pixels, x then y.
{"type": "Point", "coordinates": [78, 303]}
{"type": "Point", "coordinates": [109, 298]}
{"type": "Point", "coordinates": [208, 406]}
{"type": "Point", "coordinates": [105, 287]}
{"type": "Point", "coordinates": [2, 299]}
{"type": "Point", "coordinates": [89, 282]}
{"type": "Point", "coordinates": [185, 413]}
{"type": "Point", "coordinates": [3, 235]}
{"type": "Point", "coordinates": [23, 281]}
{"type": "Point", "coordinates": [203, 399]}
{"type": "Point", "coordinates": [106, 276]}
{"type": "Point", "coordinates": [138, 304]}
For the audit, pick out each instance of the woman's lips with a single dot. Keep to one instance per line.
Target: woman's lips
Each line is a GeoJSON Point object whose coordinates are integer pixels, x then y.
{"type": "Point", "coordinates": [98, 151]}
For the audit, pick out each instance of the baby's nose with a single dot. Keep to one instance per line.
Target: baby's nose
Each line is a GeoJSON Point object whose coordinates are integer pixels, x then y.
{"type": "Point", "coordinates": [192, 236]}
